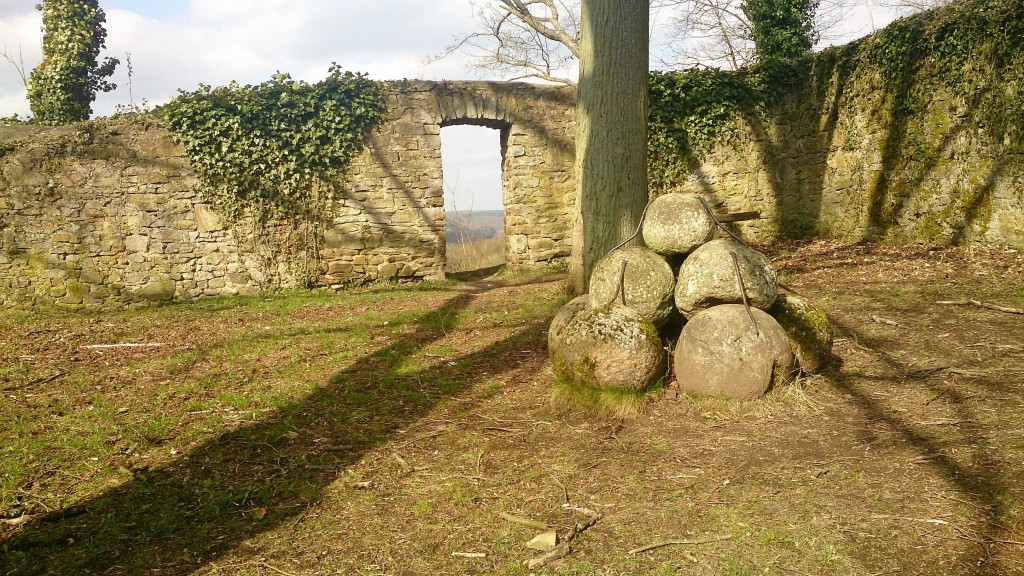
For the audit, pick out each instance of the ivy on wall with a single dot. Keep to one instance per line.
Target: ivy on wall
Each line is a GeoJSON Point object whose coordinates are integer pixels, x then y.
{"type": "Point", "coordinates": [277, 151]}
{"type": "Point", "coordinates": [689, 113]}
{"type": "Point", "coordinates": [972, 51]}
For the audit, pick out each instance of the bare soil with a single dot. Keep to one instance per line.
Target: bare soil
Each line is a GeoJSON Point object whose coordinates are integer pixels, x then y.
{"type": "Point", "coordinates": [386, 430]}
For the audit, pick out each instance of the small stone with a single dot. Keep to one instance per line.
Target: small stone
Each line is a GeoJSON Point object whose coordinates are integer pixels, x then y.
{"type": "Point", "coordinates": [136, 243]}
{"type": "Point", "coordinates": [157, 291]}
{"type": "Point", "coordinates": [544, 542]}
{"type": "Point", "coordinates": [206, 219]}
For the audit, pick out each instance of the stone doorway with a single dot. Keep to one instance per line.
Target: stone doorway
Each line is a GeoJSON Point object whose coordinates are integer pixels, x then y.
{"type": "Point", "coordinates": [472, 156]}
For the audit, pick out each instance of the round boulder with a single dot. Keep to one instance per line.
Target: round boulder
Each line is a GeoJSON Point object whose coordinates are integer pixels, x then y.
{"type": "Point", "coordinates": [612, 347]}
{"type": "Point", "coordinates": [708, 277]}
{"type": "Point", "coordinates": [809, 330]}
{"type": "Point", "coordinates": [720, 354]}
{"type": "Point", "coordinates": [677, 224]}
{"type": "Point", "coordinates": [648, 284]}
{"type": "Point", "coordinates": [562, 318]}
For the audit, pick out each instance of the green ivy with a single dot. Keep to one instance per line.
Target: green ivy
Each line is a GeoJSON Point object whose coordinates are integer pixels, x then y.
{"type": "Point", "coordinates": [278, 149]}
{"type": "Point", "coordinates": [62, 88]}
{"type": "Point", "coordinates": [971, 50]}
{"type": "Point", "coordinates": [689, 113]}
{"type": "Point", "coordinates": [276, 153]}
{"type": "Point", "coordinates": [781, 29]}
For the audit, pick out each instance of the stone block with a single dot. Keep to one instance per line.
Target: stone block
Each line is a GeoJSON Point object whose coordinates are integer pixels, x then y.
{"type": "Point", "coordinates": [136, 244]}
{"type": "Point", "coordinates": [90, 276]}
{"type": "Point", "coordinates": [67, 237]}
{"type": "Point", "coordinates": [157, 290]}
{"type": "Point", "coordinates": [336, 268]}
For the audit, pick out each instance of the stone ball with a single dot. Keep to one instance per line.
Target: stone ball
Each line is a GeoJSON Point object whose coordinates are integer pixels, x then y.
{"type": "Point", "coordinates": [649, 282]}
{"type": "Point", "coordinates": [677, 224]}
{"type": "Point", "coordinates": [809, 330]}
{"type": "Point", "coordinates": [609, 348]}
{"type": "Point", "coordinates": [720, 354]}
{"type": "Point", "coordinates": [708, 278]}
{"type": "Point", "coordinates": [562, 318]}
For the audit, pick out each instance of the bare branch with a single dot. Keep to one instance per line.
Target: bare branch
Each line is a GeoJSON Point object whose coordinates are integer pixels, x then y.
{"type": "Point", "coordinates": [19, 64]}
{"type": "Point", "coordinates": [549, 26]}
{"type": "Point", "coordinates": [523, 39]}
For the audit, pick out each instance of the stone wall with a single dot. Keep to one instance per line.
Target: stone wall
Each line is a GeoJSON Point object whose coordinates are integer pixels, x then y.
{"type": "Point", "coordinates": [839, 170]}
{"type": "Point", "coordinates": [108, 213]}
{"type": "Point", "coordinates": [884, 141]}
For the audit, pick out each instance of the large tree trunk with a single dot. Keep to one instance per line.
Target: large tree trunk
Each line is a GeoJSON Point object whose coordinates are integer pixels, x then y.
{"type": "Point", "coordinates": [611, 138]}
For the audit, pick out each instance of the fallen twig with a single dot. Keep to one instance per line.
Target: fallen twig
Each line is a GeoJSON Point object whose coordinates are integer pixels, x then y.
{"type": "Point", "coordinates": [885, 321]}
{"type": "Point", "coordinates": [565, 547]}
{"type": "Point", "coordinates": [942, 422]}
{"type": "Point", "coordinates": [524, 521]}
{"type": "Point", "coordinates": [126, 345]}
{"type": "Point", "coordinates": [664, 543]}
{"type": "Point", "coordinates": [981, 305]}
{"type": "Point", "coordinates": [15, 522]}
{"type": "Point", "coordinates": [36, 382]}
{"type": "Point", "coordinates": [969, 373]}
{"type": "Point", "coordinates": [469, 554]}
{"type": "Point", "coordinates": [565, 491]}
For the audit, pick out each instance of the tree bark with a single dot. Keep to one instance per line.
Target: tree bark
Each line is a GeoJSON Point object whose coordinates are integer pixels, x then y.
{"type": "Point", "coordinates": [611, 138]}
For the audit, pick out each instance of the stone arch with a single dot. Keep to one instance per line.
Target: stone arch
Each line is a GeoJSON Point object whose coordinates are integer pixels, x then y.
{"type": "Point", "coordinates": [537, 129]}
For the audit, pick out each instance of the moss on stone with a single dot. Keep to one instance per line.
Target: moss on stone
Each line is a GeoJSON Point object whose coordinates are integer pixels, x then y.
{"type": "Point", "coordinates": [808, 328]}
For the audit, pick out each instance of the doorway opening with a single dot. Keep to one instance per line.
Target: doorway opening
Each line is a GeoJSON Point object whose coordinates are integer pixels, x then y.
{"type": "Point", "coordinates": [471, 159]}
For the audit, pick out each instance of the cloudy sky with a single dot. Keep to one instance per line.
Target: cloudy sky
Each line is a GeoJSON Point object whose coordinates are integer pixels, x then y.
{"type": "Point", "coordinates": [180, 43]}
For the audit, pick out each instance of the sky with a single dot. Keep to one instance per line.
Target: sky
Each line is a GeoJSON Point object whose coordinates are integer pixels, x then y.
{"type": "Point", "coordinates": [178, 44]}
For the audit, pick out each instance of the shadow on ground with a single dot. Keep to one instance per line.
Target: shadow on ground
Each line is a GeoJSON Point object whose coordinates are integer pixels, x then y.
{"type": "Point", "coordinates": [179, 517]}
{"type": "Point", "coordinates": [974, 472]}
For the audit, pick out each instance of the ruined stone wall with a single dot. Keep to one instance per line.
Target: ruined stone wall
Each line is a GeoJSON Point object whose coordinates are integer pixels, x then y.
{"type": "Point", "coordinates": [108, 213]}
{"type": "Point", "coordinates": [840, 167]}
{"type": "Point", "coordinates": [889, 139]}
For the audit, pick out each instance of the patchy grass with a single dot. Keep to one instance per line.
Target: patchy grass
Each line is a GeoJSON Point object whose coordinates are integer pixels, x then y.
{"type": "Point", "coordinates": [476, 254]}
{"type": "Point", "coordinates": [379, 430]}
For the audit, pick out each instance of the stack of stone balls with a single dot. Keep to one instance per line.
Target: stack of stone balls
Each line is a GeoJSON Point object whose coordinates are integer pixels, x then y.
{"type": "Point", "coordinates": [681, 294]}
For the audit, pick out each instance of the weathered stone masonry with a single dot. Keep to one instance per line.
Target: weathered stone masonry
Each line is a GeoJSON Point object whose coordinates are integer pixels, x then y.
{"type": "Point", "coordinates": [108, 214]}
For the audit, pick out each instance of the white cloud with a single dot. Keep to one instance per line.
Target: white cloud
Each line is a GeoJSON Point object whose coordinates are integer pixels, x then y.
{"type": "Point", "coordinates": [248, 40]}
{"type": "Point", "coordinates": [20, 37]}
{"type": "Point", "coordinates": [182, 43]}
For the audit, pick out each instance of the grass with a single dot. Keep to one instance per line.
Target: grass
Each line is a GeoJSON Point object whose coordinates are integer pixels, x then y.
{"type": "Point", "coordinates": [613, 403]}
{"type": "Point", "coordinates": [378, 430]}
{"type": "Point", "coordinates": [476, 254]}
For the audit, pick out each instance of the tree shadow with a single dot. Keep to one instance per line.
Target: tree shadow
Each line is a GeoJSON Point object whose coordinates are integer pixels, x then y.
{"type": "Point", "coordinates": [182, 515]}
{"type": "Point", "coordinates": [796, 140]}
{"type": "Point", "coordinates": [978, 478]}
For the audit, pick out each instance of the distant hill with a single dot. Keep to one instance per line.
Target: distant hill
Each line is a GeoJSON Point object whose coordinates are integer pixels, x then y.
{"type": "Point", "coordinates": [467, 226]}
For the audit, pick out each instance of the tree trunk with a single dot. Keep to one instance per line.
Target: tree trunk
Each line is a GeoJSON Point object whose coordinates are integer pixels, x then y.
{"type": "Point", "coordinates": [611, 137]}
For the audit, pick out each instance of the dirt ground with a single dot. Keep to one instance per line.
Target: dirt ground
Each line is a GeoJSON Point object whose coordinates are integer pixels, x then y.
{"type": "Point", "coordinates": [410, 432]}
